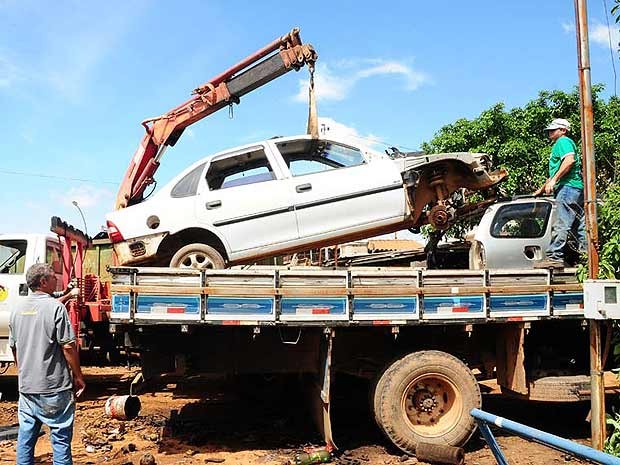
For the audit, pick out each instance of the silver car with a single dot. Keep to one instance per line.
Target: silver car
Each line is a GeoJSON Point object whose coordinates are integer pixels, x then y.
{"type": "Point", "coordinates": [515, 234]}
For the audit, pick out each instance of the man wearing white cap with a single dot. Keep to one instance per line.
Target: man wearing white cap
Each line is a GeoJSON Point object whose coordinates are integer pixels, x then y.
{"type": "Point", "coordinates": [566, 183]}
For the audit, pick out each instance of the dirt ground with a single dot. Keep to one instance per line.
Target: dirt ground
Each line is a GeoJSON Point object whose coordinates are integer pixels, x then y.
{"type": "Point", "coordinates": [258, 420]}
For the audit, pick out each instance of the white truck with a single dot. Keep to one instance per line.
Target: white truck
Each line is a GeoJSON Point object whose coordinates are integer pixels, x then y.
{"type": "Point", "coordinates": [72, 256]}
{"type": "Point", "coordinates": [17, 253]}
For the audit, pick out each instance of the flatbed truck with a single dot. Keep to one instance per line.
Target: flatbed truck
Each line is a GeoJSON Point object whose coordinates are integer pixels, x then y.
{"type": "Point", "coordinates": [424, 337]}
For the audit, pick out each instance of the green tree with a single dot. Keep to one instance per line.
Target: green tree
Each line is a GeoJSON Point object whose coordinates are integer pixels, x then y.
{"type": "Point", "coordinates": [515, 140]}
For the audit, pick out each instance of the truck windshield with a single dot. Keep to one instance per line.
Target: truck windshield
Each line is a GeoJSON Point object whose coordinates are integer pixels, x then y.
{"type": "Point", "coordinates": [12, 256]}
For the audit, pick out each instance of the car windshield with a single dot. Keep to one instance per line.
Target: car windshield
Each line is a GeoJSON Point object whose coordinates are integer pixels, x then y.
{"type": "Point", "coordinates": [12, 256]}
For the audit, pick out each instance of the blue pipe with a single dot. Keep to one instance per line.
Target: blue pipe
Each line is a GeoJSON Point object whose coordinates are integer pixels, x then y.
{"type": "Point", "coordinates": [578, 450]}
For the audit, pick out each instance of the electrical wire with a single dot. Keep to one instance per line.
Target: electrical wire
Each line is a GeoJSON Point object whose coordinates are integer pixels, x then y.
{"type": "Point", "coordinates": [50, 176]}
{"type": "Point", "coordinates": [611, 53]}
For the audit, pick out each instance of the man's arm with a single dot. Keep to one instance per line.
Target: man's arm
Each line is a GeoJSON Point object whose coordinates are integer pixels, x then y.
{"type": "Point", "coordinates": [72, 357]}
{"type": "Point", "coordinates": [68, 295]}
{"type": "Point", "coordinates": [567, 163]}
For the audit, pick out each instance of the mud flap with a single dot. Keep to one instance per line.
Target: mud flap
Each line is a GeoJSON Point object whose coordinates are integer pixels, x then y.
{"type": "Point", "coordinates": [319, 389]}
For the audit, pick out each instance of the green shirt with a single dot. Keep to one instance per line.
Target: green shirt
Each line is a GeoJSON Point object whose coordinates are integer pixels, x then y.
{"type": "Point", "coordinates": [562, 147]}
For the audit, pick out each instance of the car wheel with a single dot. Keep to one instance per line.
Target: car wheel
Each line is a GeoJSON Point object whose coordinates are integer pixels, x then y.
{"type": "Point", "coordinates": [198, 256]}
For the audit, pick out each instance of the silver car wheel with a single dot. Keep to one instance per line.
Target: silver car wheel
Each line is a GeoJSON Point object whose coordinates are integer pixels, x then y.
{"type": "Point", "coordinates": [198, 256]}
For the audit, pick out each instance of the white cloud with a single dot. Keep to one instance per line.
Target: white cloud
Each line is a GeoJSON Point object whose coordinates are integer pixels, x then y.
{"type": "Point", "coordinates": [600, 35]}
{"type": "Point", "coordinates": [94, 202]}
{"type": "Point", "coordinates": [327, 85]}
{"type": "Point", "coordinates": [413, 79]}
{"type": "Point", "coordinates": [85, 195]}
{"type": "Point", "coordinates": [336, 85]}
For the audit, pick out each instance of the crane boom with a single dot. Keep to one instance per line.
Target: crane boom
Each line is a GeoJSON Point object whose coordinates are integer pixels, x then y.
{"type": "Point", "coordinates": [279, 57]}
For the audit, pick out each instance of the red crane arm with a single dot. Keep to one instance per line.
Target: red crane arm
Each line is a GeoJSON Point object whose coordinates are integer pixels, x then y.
{"type": "Point", "coordinates": [221, 91]}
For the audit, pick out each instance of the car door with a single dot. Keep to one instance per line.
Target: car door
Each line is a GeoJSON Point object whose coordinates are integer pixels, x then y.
{"type": "Point", "coordinates": [518, 235]}
{"type": "Point", "coordinates": [245, 197]}
{"type": "Point", "coordinates": [337, 191]}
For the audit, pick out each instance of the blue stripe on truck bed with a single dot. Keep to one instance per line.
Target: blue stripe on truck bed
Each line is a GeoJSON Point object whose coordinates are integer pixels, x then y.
{"type": "Point", "coordinates": [240, 306]}
{"type": "Point", "coordinates": [163, 304]}
{"type": "Point", "coordinates": [401, 307]}
{"type": "Point", "coordinates": [519, 303]}
{"type": "Point", "coordinates": [314, 306]}
{"type": "Point", "coordinates": [120, 303]}
{"type": "Point", "coordinates": [454, 307]}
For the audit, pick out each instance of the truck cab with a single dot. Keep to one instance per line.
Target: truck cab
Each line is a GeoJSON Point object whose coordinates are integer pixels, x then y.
{"type": "Point", "coordinates": [17, 253]}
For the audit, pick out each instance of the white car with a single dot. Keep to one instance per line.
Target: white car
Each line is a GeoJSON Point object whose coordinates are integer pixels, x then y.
{"type": "Point", "coordinates": [288, 194]}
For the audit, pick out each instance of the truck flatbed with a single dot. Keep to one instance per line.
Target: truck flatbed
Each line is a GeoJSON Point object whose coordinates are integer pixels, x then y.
{"type": "Point", "coordinates": [341, 297]}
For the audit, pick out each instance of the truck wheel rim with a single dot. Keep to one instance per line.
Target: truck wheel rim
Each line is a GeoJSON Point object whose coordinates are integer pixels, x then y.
{"type": "Point", "coordinates": [196, 260]}
{"type": "Point", "coordinates": [432, 405]}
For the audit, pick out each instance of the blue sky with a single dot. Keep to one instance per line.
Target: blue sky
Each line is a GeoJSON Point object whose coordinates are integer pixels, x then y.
{"type": "Point", "coordinates": [77, 78]}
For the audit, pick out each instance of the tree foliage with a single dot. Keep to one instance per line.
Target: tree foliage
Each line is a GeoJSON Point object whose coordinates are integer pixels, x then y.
{"type": "Point", "coordinates": [515, 140]}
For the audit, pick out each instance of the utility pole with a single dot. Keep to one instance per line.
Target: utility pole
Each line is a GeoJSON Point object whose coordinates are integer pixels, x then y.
{"type": "Point", "coordinates": [597, 384]}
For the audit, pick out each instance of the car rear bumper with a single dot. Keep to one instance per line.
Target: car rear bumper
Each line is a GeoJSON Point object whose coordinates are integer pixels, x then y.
{"type": "Point", "coordinates": [139, 249]}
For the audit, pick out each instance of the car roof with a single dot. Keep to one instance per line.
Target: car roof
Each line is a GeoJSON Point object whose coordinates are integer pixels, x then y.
{"type": "Point", "coordinates": [523, 199]}
{"type": "Point", "coordinates": [27, 236]}
{"type": "Point", "coordinates": [276, 140]}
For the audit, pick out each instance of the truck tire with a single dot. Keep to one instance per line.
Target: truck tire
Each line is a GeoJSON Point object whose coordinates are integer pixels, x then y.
{"type": "Point", "coordinates": [198, 256]}
{"type": "Point", "coordinates": [563, 389]}
{"type": "Point", "coordinates": [426, 397]}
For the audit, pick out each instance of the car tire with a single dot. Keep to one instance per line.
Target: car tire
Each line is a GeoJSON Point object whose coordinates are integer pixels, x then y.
{"type": "Point", "coordinates": [198, 256]}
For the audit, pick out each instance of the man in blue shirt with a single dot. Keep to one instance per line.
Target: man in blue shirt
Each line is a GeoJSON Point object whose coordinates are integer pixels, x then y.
{"type": "Point", "coordinates": [566, 183]}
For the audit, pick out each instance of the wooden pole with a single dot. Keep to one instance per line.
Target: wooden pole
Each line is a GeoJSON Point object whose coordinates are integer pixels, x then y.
{"type": "Point", "coordinates": [597, 386]}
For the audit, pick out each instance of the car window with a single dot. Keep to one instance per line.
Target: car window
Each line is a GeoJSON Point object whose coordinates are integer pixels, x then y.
{"type": "Point", "coordinates": [313, 156]}
{"type": "Point", "coordinates": [12, 256]}
{"type": "Point", "coordinates": [521, 221]}
{"type": "Point", "coordinates": [247, 168]}
{"type": "Point", "coordinates": [188, 185]}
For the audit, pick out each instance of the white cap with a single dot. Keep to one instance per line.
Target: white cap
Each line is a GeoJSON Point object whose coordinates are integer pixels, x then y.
{"type": "Point", "coordinates": [558, 123]}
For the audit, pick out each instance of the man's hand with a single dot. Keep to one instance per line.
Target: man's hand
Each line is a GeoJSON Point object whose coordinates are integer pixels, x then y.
{"type": "Point", "coordinates": [549, 186]}
{"type": "Point", "coordinates": [540, 190]}
{"type": "Point", "coordinates": [79, 385]}
{"type": "Point", "coordinates": [70, 352]}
